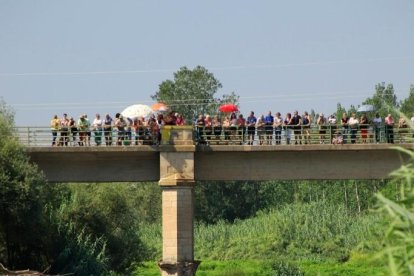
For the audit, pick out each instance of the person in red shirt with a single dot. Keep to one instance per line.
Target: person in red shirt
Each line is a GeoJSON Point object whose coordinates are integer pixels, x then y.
{"type": "Point", "coordinates": [180, 120]}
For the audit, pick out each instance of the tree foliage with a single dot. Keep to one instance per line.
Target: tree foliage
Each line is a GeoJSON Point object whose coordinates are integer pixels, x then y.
{"type": "Point", "coordinates": [384, 100]}
{"type": "Point", "coordinates": [234, 200]}
{"type": "Point", "coordinates": [112, 212]}
{"type": "Point", "coordinates": [33, 233]}
{"type": "Point", "coordinates": [6, 122]}
{"type": "Point", "coordinates": [23, 195]}
{"type": "Point", "coordinates": [193, 92]}
{"type": "Point", "coordinates": [339, 111]}
{"type": "Point", "coordinates": [407, 105]}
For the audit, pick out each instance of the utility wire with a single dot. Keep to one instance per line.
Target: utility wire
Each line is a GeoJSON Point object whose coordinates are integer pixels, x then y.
{"type": "Point", "coordinates": [222, 68]}
{"type": "Point", "coordinates": [284, 96]}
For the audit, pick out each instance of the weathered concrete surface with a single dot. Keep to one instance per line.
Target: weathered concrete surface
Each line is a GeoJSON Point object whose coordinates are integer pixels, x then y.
{"type": "Point", "coordinates": [97, 164]}
{"type": "Point", "coordinates": [293, 162]}
{"type": "Point", "coordinates": [142, 163]}
{"type": "Point", "coordinates": [177, 182]}
{"type": "Point", "coordinates": [176, 168]}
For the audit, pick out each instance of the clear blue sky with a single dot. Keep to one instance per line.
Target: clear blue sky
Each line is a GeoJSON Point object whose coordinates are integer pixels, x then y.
{"type": "Point", "coordinates": [101, 56]}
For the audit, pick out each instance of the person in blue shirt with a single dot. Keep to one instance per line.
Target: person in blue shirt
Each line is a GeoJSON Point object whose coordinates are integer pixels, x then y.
{"type": "Point", "coordinates": [269, 127]}
{"type": "Point", "coordinates": [251, 128]}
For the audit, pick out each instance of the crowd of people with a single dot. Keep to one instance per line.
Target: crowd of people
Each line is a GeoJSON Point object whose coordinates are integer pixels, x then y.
{"type": "Point", "coordinates": [263, 130]}
{"type": "Point", "coordinates": [300, 129]}
{"type": "Point", "coordinates": [111, 131]}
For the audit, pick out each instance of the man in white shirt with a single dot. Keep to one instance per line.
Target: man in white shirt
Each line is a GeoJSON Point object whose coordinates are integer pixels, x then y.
{"type": "Point", "coordinates": [353, 125]}
{"type": "Point", "coordinates": [377, 121]}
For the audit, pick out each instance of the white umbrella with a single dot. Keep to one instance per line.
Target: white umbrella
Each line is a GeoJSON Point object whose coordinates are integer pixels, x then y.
{"type": "Point", "coordinates": [366, 108]}
{"type": "Point", "coordinates": [136, 111]}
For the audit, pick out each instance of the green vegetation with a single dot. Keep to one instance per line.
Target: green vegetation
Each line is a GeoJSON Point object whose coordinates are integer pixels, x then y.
{"type": "Point", "coordinates": [301, 231]}
{"type": "Point", "coordinates": [242, 228]}
{"type": "Point", "coordinates": [400, 234]}
{"type": "Point", "coordinates": [193, 92]}
{"type": "Point", "coordinates": [317, 236]}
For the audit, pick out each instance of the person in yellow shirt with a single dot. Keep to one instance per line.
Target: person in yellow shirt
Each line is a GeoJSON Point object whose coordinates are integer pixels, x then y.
{"type": "Point", "coordinates": [54, 126]}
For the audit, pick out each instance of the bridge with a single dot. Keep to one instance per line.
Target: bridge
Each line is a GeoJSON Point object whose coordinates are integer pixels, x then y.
{"type": "Point", "coordinates": [178, 164]}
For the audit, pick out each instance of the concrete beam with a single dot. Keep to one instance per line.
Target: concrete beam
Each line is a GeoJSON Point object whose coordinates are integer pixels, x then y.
{"type": "Point", "coordinates": [307, 162]}
{"type": "Point", "coordinates": [97, 164]}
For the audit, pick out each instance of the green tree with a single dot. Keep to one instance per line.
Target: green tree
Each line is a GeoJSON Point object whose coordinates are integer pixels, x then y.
{"type": "Point", "coordinates": [30, 237]}
{"type": "Point", "coordinates": [23, 195]}
{"type": "Point", "coordinates": [233, 200]}
{"type": "Point", "coordinates": [339, 111]}
{"type": "Point", "coordinates": [407, 106]}
{"type": "Point", "coordinates": [384, 100]}
{"type": "Point", "coordinates": [113, 211]}
{"type": "Point", "coordinates": [6, 122]}
{"type": "Point", "coordinates": [192, 92]}
{"type": "Point", "coordinates": [352, 109]}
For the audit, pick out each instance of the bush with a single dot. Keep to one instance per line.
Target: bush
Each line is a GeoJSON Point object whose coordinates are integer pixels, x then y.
{"type": "Point", "coordinates": [286, 269]}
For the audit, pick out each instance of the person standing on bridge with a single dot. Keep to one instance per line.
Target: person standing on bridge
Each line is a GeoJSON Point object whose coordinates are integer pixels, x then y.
{"type": "Point", "coordinates": [251, 128]}
{"type": "Point", "coordinates": [306, 123]}
{"type": "Point", "coordinates": [107, 128]}
{"type": "Point", "coordinates": [345, 126]}
{"type": "Point", "coordinates": [288, 127]}
{"type": "Point", "coordinates": [297, 127]}
{"type": "Point", "coordinates": [54, 126]}
{"type": "Point", "coordinates": [208, 128]}
{"type": "Point", "coordinates": [180, 119]}
{"type": "Point", "coordinates": [120, 124]}
{"type": "Point", "coordinates": [97, 129]}
{"type": "Point", "coordinates": [353, 125]}
{"type": "Point", "coordinates": [64, 130]}
{"type": "Point", "coordinates": [83, 126]}
{"type": "Point", "coordinates": [377, 121]}
{"type": "Point", "coordinates": [241, 128]}
{"type": "Point", "coordinates": [363, 125]}
{"type": "Point", "coordinates": [226, 128]}
{"type": "Point", "coordinates": [269, 119]}
{"type": "Point", "coordinates": [73, 130]}
{"type": "Point", "coordinates": [389, 129]}
{"type": "Point", "coordinates": [88, 131]}
{"type": "Point", "coordinates": [260, 126]}
{"type": "Point", "coordinates": [217, 129]}
{"type": "Point", "coordinates": [277, 125]}
{"type": "Point", "coordinates": [332, 126]}
{"type": "Point", "coordinates": [321, 122]}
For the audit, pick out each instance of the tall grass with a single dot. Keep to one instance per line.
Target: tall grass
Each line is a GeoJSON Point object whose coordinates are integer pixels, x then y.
{"type": "Point", "coordinates": [400, 235]}
{"type": "Point", "coordinates": [312, 231]}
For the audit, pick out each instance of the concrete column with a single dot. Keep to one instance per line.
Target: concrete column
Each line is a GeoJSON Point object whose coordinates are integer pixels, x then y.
{"type": "Point", "coordinates": [177, 182]}
{"type": "Point", "coordinates": [178, 231]}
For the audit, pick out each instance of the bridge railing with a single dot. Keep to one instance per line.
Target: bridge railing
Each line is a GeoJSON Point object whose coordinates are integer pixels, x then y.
{"type": "Point", "coordinates": [329, 134]}
{"type": "Point", "coordinates": [285, 135]}
{"type": "Point", "coordinates": [46, 137]}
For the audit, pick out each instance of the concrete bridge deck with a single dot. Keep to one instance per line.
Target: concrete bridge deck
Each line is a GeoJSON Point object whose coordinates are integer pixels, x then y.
{"type": "Point", "coordinates": [281, 162]}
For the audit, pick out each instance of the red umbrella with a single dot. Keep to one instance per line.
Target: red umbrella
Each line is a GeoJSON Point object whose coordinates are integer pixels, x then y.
{"type": "Point", "coordinates": [228, 108]}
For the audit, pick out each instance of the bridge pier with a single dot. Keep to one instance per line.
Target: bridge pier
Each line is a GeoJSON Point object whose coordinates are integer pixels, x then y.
{"type": "Point", "coordinates": [178, 230]}
{"type": "Point", "coordinates": [177, 182]}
